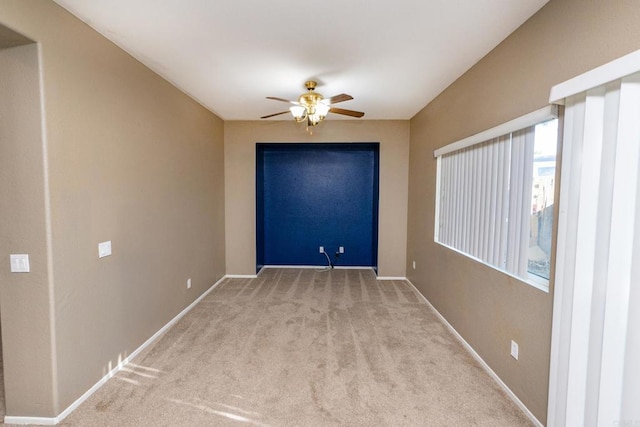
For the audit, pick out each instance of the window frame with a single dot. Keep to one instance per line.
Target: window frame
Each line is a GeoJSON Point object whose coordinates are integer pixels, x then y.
{"type": "Point", "coordinates": [539, 116]}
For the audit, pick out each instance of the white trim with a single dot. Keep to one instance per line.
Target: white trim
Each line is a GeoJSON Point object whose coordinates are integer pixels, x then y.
{"type": "Point", "coordinates": [307, 267]}
{"type": "Point", "coordinates": [479, 359]}
{"type": "Point", "coordinates": [304, 267]}
{"type": "Point", "coordinates": [39, 421]}
{"type": "Point", "coordinates": [436, 222]}
{"type": "Point", "coordinates": [606, 73]}
{"type": "Point", "coordinates": [241, 276]}
{"type": "Point", "coordinates": [390, 278]}
{"type": "Point", "coordinates": [547, 113]}
{"type": "Point", "coordinates": [8, 419]}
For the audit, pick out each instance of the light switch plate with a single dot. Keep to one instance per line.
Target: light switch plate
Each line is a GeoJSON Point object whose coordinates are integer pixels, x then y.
{"type": "Point", "coordinates": [514, 349]}
{"type": "Point", "coordinates": [19, 263]}
{"type": "Point", "coordinates": [104, 249]}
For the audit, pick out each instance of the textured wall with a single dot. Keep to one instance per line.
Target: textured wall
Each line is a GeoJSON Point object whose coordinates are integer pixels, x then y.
{"type": "Point", "coordinates": [132, 160]}
{"type": "Point", "coordinates": [317, 195]}
{"type": "Point", "coordinates": [240, 177]}
{"type": "Point", "coordinates": [488, 308]}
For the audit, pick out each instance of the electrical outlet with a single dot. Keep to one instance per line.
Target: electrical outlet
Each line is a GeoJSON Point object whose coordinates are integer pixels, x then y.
{"type": "Point", "coordinates": [104, 249]}
{"type": "Point", "coordinates": [414, 265]}
{"type": "Point", "coordinates": [321, 249]}
{"type": "Point", "coordinates": [341, 250]}
{"type": "Point", "coordinates": [189, 283]}
{"type": "Point", "coordinates": [514, 349]}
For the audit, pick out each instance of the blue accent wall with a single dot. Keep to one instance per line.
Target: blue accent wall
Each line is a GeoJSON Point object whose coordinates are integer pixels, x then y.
{"type": "Point", "coordinates": [311, 195]}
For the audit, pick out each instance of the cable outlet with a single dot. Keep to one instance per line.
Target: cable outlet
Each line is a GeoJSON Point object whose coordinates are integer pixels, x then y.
{"type": "Point", "coordinates": [514, 349]}
{"type": "Point", "coordinates": [189, 283]}
{"type": "Point", "coordinates": [321, 249]}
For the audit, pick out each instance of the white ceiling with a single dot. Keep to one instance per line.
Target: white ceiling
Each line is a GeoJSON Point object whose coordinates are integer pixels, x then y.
{"type": "Point", "coordinates": [392, 56]}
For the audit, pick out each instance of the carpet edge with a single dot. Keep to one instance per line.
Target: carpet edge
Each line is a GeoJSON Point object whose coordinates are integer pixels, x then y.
{"type": "Point", "coordinates": [480, 360]}
{"type": "Point", "coordinates": [22, 420]}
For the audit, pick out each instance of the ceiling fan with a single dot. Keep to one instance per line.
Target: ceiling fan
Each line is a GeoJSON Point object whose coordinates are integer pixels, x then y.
{"type": "Point", "coordinates": [313, 107]}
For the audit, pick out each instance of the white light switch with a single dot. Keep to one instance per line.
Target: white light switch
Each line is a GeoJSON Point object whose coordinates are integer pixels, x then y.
{"type": "Point", "coordinates": [19, 263]}
{"type": "Point", "coordinates": [104, 249]}
{"type": "Point", "coordinates": [514, 349]}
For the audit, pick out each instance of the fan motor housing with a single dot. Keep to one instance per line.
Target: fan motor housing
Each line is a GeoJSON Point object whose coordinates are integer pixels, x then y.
{"type": "Point", "coordinates": [310, 98]}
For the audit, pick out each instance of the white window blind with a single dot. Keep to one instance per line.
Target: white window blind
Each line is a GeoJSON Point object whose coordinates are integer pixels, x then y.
{"type": "Point", "coordinates": [484, 195]}
{"type": "Point", "coordinates": [477, 216]}
{"type": "Point", "coordinates": [595, 344]}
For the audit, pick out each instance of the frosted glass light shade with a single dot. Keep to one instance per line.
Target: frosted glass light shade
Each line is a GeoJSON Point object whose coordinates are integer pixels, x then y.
{"type": "Point", "coordinates": [297, 111]}
{"type": "Point", "coordinates": [322, 109]}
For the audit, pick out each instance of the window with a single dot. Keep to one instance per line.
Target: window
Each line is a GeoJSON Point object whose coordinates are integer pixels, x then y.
{"type": "Point", "coordinates": [495, 196]}
{"type": "Point", "coordinates": [542, 199]}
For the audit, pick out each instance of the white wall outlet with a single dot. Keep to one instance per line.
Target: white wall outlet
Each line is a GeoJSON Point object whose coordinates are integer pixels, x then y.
{"type": "Point", "coordinates": [341, 249]}
{"type": "Point", "coordinates": [19, 263]}
{"type": "Point", "coordinates": [104, 249]}
{"type": "Point", "coordinates": [321, 249]}
{"type": "Point", "coordinates": [414, 265]}
{"type": "Point", "coordinates": [514, 349]}
{"type": "Point", "coordinates": [189, 283]}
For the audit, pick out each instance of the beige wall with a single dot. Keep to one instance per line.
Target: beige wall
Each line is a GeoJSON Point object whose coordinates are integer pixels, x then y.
{"type": "Point", "coordinates": [240, 164]}
{"type": "Point", "coordinates": [24, 298]}
{"type": "Point", "coordinates": [488, 308]}
{"type": "Point", "coordinates": [132, 160]}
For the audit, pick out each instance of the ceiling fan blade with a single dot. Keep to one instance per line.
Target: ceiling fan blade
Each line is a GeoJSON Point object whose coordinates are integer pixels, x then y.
{"type": "Point", "coordinates": [346, 112]}
{"type": "Point", "coordinates": [275, 98]}
{"type": "Point", "coordinates": [274, 114]}
{"type": "Point", "coordinates": [338, 98]}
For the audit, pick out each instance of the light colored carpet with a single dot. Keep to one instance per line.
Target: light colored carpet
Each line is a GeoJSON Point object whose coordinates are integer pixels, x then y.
{"type": "Point", "coordinates": [304, 348]}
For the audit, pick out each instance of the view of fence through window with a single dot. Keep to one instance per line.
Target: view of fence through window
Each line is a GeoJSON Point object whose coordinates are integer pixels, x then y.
{"type": "Point", "coordinates": [542, 198]}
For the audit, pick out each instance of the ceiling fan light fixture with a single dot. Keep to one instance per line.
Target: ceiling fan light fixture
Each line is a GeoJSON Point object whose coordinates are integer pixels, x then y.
{"type": "Point", "coordinates": [312, 107]}
{"type": "Point", "coordinates": [314, 119]}
{"type": "Point", "coordinates": [322, 109]}
{"type": "Point", "coordinates": [298, 112]}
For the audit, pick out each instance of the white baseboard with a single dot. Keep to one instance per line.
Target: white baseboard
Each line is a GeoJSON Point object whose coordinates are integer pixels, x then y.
{"type": "Point", "coordinates": [306, 267]}
{"type": "Point", "coordinates": [240, 276]}
{"type": "Point", "coordinates": [8, 419]}
{"type": "Point", "coordinates": [391, 278]}
{"type": "Point", "coordinates": [39, 421]}
{"type": "Point", "coordinates": [482, 363]}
